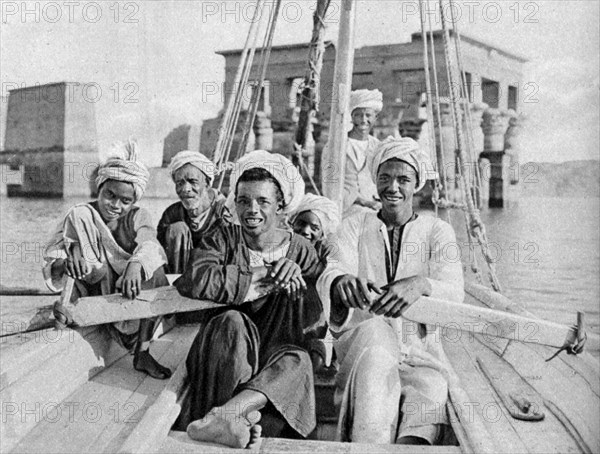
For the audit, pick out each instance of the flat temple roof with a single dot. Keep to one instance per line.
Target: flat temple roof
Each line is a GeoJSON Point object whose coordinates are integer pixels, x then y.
{"type": "Point", "coordinates": [414, 37]}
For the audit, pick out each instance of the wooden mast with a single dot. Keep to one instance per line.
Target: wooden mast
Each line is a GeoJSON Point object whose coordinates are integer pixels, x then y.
{"type": "Point", "coordinates": [333, 161]}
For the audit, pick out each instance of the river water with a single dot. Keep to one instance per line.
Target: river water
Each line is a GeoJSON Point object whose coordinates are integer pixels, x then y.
{"type": "Point", "coordinates": [546, 250]}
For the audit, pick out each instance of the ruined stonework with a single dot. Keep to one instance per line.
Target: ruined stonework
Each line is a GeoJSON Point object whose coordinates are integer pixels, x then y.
{"type": "Point", "coordinates": [51, 137]}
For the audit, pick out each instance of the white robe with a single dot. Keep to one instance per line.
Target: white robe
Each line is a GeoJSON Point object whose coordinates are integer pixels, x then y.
{"type": "Point", "coordinates": [357, 175]}
{"type": "Point", "coordinates": [428, 249]}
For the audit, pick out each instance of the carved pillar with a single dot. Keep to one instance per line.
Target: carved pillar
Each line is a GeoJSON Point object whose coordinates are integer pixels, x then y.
{"type": "Point", "coordinates": [513, 143]}
{"type": "Point", "coordinates": [477, 109]}
{"type": "Point", "coordinates": [494, 126]}
{"type": "Point", "coordinates": [445, 134]}
{"type": "Point", "coordinates": [263, 132]}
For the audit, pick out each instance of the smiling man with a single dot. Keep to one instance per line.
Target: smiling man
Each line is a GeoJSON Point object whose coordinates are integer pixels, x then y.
{"type": "Point", "coordinates": [199, 209]}
{"type": "Point", "coordinates": [250, 359]}
{"type": "Point", "coordinates": [386, 261]}
{"type": "Point", "coordinates": [359, 189]}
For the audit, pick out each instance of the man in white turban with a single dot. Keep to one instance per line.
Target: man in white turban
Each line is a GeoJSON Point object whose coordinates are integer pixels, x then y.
{"type": "Point", "coordinates": [386, 261]}
{"type": "Point", "coordinates": [251, 357]}
{"type": "Point", "coordinates": [359, 189]}
{"type": "Point", "coordinates": [109, 245]}
{"type": "Point", "coordinates": [199, 209]}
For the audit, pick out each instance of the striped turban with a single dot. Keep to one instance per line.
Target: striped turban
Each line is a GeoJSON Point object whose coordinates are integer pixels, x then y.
{"type": "Point", "coordinates": [123, 165]}
{"type": "Point", "coordinates": [280, 167]}
{"type": "Point", "coordinates": [407, 150]}
{"type": "Point", "coordinates": [366, 99]}
{"type": "Point", "coordinates": [196, 159]}
{"type": "Point", "coordinates": [323, 208]}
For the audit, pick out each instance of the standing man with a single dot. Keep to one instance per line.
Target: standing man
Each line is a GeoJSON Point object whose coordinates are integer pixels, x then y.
{"type": "Point", "coordinates": [199, 209]}
{"type": "Point", "coordinates": [387, 261]}
{"type": "Point", "coordinates": [359, 189]}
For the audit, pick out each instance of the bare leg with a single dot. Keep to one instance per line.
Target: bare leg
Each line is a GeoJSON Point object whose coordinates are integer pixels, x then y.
{"type": "Point", "coordinates": [233, 424]}
{"type": "Point", "coordinates": [143, 360]}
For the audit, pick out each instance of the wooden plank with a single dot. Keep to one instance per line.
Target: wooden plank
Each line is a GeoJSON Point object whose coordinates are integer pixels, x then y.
{"type": "Point", "coordinates": [97, 310]}
{"type": "Point", "coordinates": [582, 365]}
{"type": "Point", "coordinates": [179, 442]}
{"type": "Point", "coordinates": [107, 407]}
{"type": "Point", "coordinates": [472, 409]}
{"type": "Point", "coordinates": [546, 436]}
{"type": "Point", "coordinates": [151, 422]}
{"type": "Point", "coordinates": [35, 396]}
{"type": "Point", "coordinates": [562, 386]}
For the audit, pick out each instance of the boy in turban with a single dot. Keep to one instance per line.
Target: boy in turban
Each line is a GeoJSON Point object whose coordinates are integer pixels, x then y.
{"type": "Point", "coordinates": [110, 244]}
{"type": "Point", "coordinates": [386, 261]}
{"type": "Point", "coordinates": [317, 219]}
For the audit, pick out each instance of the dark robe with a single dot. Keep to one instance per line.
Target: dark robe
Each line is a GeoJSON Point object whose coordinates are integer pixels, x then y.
{"type": "Point", "coordinates": [247, 348]}
{"type": "Point", "coordinates": [178, 234]}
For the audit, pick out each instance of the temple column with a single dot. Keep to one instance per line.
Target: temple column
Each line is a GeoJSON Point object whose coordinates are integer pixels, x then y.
{"type": "Point", "coordinates": [494, 126]}
{"type": "Point", "coordinates": [513, 143]}
{"type": "Point", "coordinates": [445, 136]}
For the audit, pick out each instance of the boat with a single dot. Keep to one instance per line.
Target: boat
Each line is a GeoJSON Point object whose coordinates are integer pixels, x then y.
{"type": "Point", "coordinates": [72, 389]}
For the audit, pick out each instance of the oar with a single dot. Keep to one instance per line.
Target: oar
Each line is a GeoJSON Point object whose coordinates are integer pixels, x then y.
{"type": "Point", "coordinates": [446, 315]}
{"type": "Point", "coordinates": [24, 291]}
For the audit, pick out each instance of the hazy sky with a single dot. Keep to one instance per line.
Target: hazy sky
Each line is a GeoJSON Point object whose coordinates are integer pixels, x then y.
{"type": "Point", "coordinates": [161, 54]}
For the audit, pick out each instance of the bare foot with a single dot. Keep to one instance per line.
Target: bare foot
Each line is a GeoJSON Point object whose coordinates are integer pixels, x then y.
{"type": "Point", "coordinates": [255, 433]}
{"type": "Point", "coordinates": [143, 361]}
{"type": "Point", "coordinates": [233, 431]}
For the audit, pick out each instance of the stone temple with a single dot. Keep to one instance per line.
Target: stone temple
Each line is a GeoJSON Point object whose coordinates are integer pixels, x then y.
{"type": "Point", "coordinates": [50, 140]}
{"type": "Point", "coordinates": [494, 79]}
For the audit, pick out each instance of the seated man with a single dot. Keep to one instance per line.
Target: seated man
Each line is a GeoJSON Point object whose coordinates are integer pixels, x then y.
{"type": "Point", "coordinates": [110, 244]}
{"type": "Point", "coordinates": [250, 357]}
{"type": "Point", "coordinates": [317, 219]}
{"type": "Point", "coordinates": [183, 224]}
{"type": "Point", "coordinates": [387, 261]}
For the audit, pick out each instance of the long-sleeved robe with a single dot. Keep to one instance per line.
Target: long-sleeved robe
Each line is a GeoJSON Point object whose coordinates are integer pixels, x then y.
{"type": "Point", "coordinates": [108, 248]}
{"type": "Point", "coordinates": [256, 345]}
{"type": "Point", "coordinates": [357, 174]}
{"type": "Point", "coordinates": [178, 233]}
{"type": "Point", "coordinates": [370, 348]}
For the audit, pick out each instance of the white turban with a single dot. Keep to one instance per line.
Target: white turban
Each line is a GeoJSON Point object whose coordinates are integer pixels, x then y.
{"type": "Point", "coordinates": [367, 99]}
{"type": "Point", "coordinates": [326, 210]}
{"type": "Point", "coordinates": [406, 150]}
{"type": "Point", "coordinates": [280, 167]}
{"type": "Point", "coordinates": [196, 159]}
{"type": "Point", "coordinates": [123, 165]}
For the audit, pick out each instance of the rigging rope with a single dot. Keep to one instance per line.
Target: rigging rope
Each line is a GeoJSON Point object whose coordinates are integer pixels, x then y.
{"type": "Point", "coordinates": [310, 93]}
{"type": "Point", "coordinates": [220, 148]}
{"type": "Point", "coordinates": [259, 87]}
{"type": "Point", "coordinates": [475, 225]}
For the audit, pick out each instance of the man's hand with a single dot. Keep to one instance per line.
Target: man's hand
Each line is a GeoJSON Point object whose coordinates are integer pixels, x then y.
{"type": "Point", "coordinates": [131, 284]}
{"type": "Point", "coordinates": [76, 266]}
{"type": "Point", "coordinates": [288, 275]}
{"type": "Point", "coordinates": [354, 292]}
{"type": "Point", "coordinates": [399, 295]}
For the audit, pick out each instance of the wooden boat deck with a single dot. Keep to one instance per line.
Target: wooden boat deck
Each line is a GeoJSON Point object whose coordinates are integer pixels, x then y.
{"type": "Point", "coordinates": [77, 391]}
